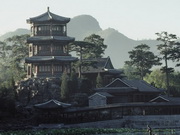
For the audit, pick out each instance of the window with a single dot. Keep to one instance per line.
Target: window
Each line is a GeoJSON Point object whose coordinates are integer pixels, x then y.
{"type": "Point", "coordinates": [44, 68]}
{"type": "Point", "coordinates": [57, 30]}
{"type": "Point", "coordinates": [42, 30]}
{"type": "Point", "coordinates": [58, 68]}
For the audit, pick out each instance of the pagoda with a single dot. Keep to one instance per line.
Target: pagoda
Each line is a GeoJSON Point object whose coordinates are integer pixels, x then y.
{"type": "Point", "coordinates": [48, 46]}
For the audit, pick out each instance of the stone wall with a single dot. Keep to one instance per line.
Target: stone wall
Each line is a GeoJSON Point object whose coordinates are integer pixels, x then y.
{"type": "Point", "coordinates": [38, 90]}
{"type": "Point", "coordinates": [154, 121]}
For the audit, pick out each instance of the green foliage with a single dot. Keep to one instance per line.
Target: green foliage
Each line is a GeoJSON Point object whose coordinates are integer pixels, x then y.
{"type": "Point", "coordinates": [165, 48]}
{"type": "Point", "coordinates": [175, 53]}
{"type": "Point", "coordinates": [64, 86]}
{"type": "Point", "coordinates": [130, 72]}
{"type": "Point", "coordinates": [73, 83]}
{"type": "Point", "coordinates": [99, 81]}
{"type": "Point", "coordinates": [167, 42]}
{"type": "Point", "coordinates": [157, 78]}
{"type": "Point", "coordinates": [13, 51]}
{"type": "Point", "coordinates": [85, 85]}
{"type": "Point", "coordinates": [98, 50]}
{"type": "Point", "coordinates": [91, 47]}
{"type": "Point", "coordinates": [7, 96]}
{"type": "Point", "coordinates": [142, 59]}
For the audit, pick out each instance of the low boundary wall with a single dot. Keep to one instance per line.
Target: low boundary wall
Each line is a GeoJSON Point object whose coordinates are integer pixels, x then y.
{"type": "Point", "coordinates": [154, 121]}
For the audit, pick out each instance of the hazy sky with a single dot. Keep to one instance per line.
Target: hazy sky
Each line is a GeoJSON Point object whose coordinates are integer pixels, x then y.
{"type": "Point", "coordinates": [137, 19]}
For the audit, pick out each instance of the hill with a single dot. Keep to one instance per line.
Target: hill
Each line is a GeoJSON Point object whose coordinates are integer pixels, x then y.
{"type": "Point", "coordinates": [118, 44]}
{"type": "Point", "coordinates": [19, 31]}
{"type": "Point", "coordinates": [82, 26]}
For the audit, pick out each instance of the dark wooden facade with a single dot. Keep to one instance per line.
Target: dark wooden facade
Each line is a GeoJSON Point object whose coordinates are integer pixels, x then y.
{"type": "Point", "coordinates": [102, 66]}
{"type": "Point", "coordinates": [124, 91]}
{"type": "Point", "coordinates": [48, 46]}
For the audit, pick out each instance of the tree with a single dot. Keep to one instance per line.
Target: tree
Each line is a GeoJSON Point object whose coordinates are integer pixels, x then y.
{"type": "Point", "coordinates": [99, 81]}
{"type": "Point", "coordinates": [142, 59]}
{"type": "Point", "coordinates": [158, 79]}
{"type": "Point", "coordinates": [17, 50]}
{"type": "Point", "coordinates": [64, 86]}
{"type": "Point", "coordinates": [79, 47]}
{"type": "Point", "coordinates": [73, 82]}
{"type": "Point", "coordinates": [175, 53]}
{"type": "Point", "coordinates": [165, 48]}
{"type": "Point", "coordinates": [98, 50]}
{"type": "Point", "coordinates": [91, 47]}
{"type": "Point", "coordinates": [130, 72]}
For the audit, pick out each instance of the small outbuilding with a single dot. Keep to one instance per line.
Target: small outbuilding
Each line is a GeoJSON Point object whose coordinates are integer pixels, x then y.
{"type": "Point", "coordinates": [99, 99]}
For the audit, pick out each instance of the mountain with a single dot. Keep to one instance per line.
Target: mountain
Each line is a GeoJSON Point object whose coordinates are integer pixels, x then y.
{"type": "Point", "coordinates": [118, 44]}
{"type": "Point", "coordinates": [82, 26]}
{"type": "Point", "coordinates": [19, 31]}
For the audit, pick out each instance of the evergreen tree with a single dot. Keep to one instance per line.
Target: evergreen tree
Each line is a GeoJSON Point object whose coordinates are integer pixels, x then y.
{"type": "Point", "coordinates": [99, 47]}
{"type": "Point", "coordinates": [142, 59]}
{"type": "Point", "coordinates": [64, 86]}
{"type": "Point", "coordinates": [73, 83]}
{"type": "Point", "coordinates": [165, 48]}
{"type": "Point", "coordinates": [91, 47]}
{"type": "Point", "coordinates": [99, 81]}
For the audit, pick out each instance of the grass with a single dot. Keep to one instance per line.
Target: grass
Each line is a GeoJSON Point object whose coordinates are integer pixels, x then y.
{"type": "Point", "coordinates": [81, 131]}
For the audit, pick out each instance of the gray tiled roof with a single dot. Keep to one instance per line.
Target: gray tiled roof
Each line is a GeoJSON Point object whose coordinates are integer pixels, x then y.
{"type": "Point", "coordinates": [116, 89]}
{"type": "Point", "coordinates": [50, 38]}
{"type": "Point", "coordinates": [34, 59]}
{"type": "Point", "coordinates": [124, 85]}
{"type": "Point", "coordinates": [142, 86]}
{"type": "Point", "coordinates": [48, 17]}
{"type": "Point", "coordinates": [100, 65]}
{"type": "Point", "coordinates": [52, 104]}
{"type": "Point", "coordinates": [167, 99]}
{"type": "Point", "coordinates": [105, 94]}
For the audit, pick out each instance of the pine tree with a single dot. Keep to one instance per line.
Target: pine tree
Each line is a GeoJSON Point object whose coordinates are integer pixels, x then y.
{"type": "Point", "coordinates": [64, 86]}
{"type": "Point", "coordinates": [165, 48]}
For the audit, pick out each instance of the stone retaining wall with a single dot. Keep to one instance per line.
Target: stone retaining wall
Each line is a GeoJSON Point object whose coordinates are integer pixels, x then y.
{"type": "Point", "coordinates": [154, 121]}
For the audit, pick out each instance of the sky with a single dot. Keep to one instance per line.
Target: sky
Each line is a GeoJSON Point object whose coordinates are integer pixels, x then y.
{"type": "Point", "coordinates": [137, 19]}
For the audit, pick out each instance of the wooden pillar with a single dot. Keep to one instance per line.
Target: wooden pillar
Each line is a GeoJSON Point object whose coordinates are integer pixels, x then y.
{"type": "Point", "coordinates": [52, 69]}
{"type": "Point", "coordinates": [51, 48]}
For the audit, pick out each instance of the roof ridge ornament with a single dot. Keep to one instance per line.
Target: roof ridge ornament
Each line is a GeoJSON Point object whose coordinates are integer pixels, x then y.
{"type": "Point", "coordinates": [49, 14]}
{"type": "Point", "coordinates": [47, 9]}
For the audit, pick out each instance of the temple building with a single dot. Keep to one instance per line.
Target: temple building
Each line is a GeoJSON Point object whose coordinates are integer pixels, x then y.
{"type": "Point", "coordinates": [48, 46]}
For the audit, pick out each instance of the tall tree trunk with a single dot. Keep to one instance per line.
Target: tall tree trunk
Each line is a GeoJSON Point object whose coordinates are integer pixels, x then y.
{"type": "Point", "coordinates": [167, 76]}
{"type": "Point", "coordinates": [80, 65]}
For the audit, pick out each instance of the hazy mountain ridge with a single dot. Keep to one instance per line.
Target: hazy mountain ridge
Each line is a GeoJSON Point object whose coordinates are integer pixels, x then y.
{"type": "Point", "coordinates": [19, 31]}
{"type": "Point", "coordinates": [118, 44]}
{"type": "Point", "coordinates": [82, 26]}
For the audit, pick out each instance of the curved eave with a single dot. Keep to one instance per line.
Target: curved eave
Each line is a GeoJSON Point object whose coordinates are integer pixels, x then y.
{"type": "Point", "coordinates": [116, 89]}
{"type": "Point", "coordinates": [50, 38]}
{"type": "Point", "coordinates": [48, 17]}
{"type": "Point", "coordinates": [113, 71]}
{"type": "Point", "coordinates": [36, 59]}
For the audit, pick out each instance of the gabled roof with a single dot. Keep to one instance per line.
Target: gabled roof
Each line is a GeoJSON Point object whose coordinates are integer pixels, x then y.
{"type": "Point", "coordinates": [50, 38]}
{"type": "Point", "coordinates": [35, 59]}
{"type": "Point", "coordinates": [159, 99]}
{"type": "Point", "coordinates": [100, 65]}
{"type": "Point", "coordinates": [165, 98]}
{"type": "Point", "coordinates": [142, 86]}
{"type": "Point", "coordinates": [48, 17]}
{"type": "Point", "coordinates": [52, 104]}
{"type": "Point", "coordinates": [124, 85]}
{"type": "Point", "coordinates": [118, 83]}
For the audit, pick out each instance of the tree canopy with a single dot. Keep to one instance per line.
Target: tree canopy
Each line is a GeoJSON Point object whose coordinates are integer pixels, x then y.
{"type": "Point", "coordinates": [166, 50]}
{"type": "Point", "coordinates": [142, 59]}
{"type": "Point", "coordinates": [91, 47]}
